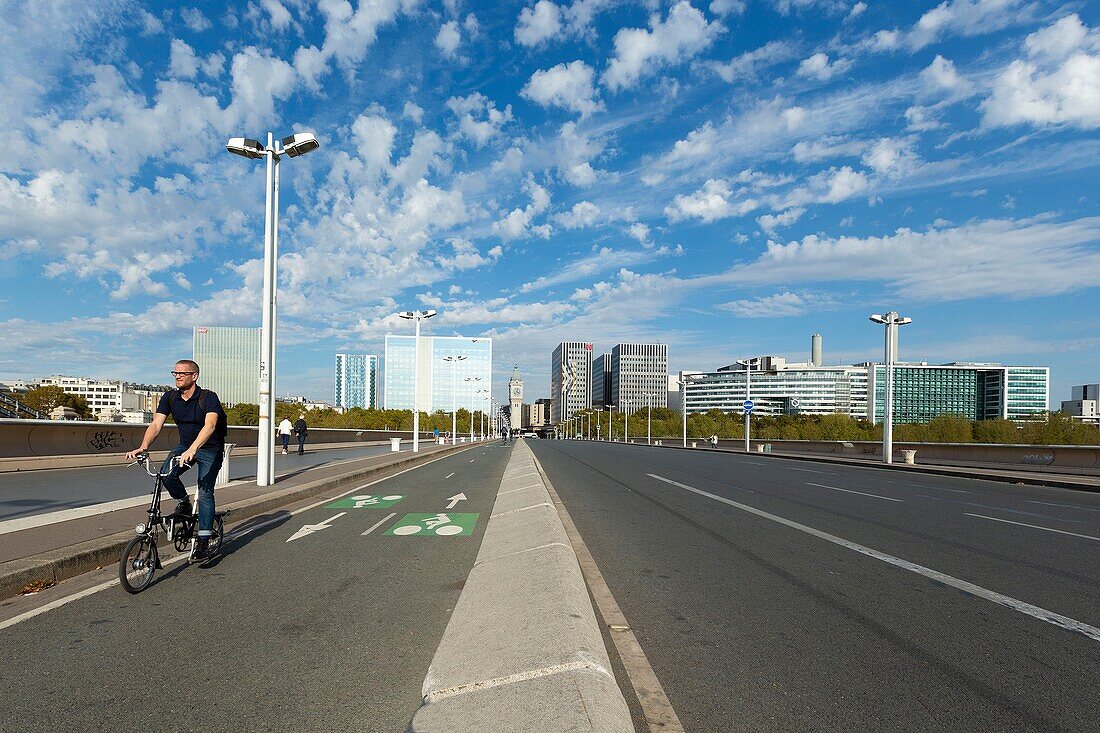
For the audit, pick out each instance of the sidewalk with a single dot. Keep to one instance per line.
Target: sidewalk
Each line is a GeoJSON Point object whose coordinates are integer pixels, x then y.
{"type": "Point", "coordinates": [63, 550]}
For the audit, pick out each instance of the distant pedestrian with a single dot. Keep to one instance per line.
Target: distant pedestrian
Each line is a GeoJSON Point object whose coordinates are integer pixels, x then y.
{"type": "Point", "coordinates": [301, 430]}
{"type": "Point", "coordinates": [714, 441]}
{"type": "Point", "coordinates": [285, 429]}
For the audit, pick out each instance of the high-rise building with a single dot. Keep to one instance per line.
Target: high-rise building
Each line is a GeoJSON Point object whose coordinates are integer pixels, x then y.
{"type": "Point", "coordinates": [537, 414]}
{"type": "Point", "coordinates": [601, 380]}
{"type": "Point", "coordinates": [229, 362]}
{"type": "Point", "coordinates": [433, 387]}
{"type": "Point", "coordinates": [570, 380]}
{"type": "Point", "coordinates": [639, 376]}
{"type": "Point", "coordinates": [1084, 404]}
{"type": "Point", "coordinates": [356, 381]}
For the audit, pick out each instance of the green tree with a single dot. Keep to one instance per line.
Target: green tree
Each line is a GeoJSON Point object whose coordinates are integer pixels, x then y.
{"type": "Point", "coordinates": [44, 399]}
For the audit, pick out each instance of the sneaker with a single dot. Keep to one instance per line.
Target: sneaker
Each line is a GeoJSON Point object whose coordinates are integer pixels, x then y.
{"type": "Point", "coordinates": [202, 549]}
{"type": "Point", "coordinates": [183, 508]}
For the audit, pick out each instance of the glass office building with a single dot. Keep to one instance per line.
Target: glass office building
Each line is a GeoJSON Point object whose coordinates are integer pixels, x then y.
{"type": "Point", "coordinates": [229, 362]}
{"type": "Point", "coordinates": [434, 385]}
{"type": "Point", "coordinates": [356, 381]}
{"type": "Point", "coordinates": [639, 376]}
{"type": "Point", "coordinates": [970, 390]}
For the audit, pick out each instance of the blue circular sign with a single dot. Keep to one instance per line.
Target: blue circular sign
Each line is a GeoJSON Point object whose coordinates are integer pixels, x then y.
{"type": "Point", "coordinates": [748, 405]}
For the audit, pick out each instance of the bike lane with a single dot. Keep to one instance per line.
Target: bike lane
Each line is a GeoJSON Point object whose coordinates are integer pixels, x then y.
{"type": "Point", "coordinates": [326, 619]}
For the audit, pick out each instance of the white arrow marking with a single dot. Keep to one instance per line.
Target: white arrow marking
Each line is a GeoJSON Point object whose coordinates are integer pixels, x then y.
{"type": "Point", "coordinates": [455, 499]}
{"type": "Point", "coordinates": [309, 529]}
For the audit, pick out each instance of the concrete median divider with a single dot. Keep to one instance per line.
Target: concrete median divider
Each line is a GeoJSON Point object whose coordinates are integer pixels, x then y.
{"type": "Point", "coordinates": [72, 560]}
{"type": "Point", "coordinates": [523, 649]}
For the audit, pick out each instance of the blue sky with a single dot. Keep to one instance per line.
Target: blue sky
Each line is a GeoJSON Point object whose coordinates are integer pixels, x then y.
{"type": "Point", "coordinates": [725, 176]}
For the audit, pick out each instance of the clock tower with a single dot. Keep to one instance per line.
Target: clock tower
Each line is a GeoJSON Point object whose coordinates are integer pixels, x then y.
{"type": "Point", "coordinates": [515, 400]}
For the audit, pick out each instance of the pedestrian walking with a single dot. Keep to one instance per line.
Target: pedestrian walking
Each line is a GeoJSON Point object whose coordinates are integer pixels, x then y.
{"type": "Point", "coordinates": [285, 430]}
{"type": "Point", "coordinates": [301, 430]}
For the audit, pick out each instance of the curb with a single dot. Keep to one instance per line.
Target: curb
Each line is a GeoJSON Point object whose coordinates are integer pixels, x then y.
{"type": "Point", "coordinates": [523, 650]}
{"type": "Point", "coordinates": [67, 562]}
{"type": "Point", "coordinates": [1037, 480]}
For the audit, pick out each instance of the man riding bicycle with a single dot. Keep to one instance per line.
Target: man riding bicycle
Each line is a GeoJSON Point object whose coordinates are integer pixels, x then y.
{"type": "Point", "coordinates": [201, 422]}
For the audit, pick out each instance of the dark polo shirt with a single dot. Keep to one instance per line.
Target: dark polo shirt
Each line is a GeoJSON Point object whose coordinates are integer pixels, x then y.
{"type": "Point", "coordinates": [190, 416]}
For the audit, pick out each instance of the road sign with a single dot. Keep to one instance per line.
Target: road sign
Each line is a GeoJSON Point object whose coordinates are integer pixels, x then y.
{"type": "Point", "coordinates": [748, 405]}
{"type": "Point", "coordinates": [366, 501]}
{"type": "Point", "coordinates": [448, 524]}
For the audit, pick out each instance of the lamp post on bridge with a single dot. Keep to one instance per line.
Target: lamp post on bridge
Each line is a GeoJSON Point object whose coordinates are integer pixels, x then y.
{"type": "Point", "coordinates": [416, 316]}
{"type": "Point", "coordinates": [892, 321]}
{"type": "Point", "coordinates": [454, 359]}
{"type": "Point", "coordinates": [297, 144]}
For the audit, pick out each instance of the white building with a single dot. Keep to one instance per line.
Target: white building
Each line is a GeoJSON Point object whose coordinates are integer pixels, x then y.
{"type": "Point", "coordinates": [102, 396]}
{"type": "Point", "coordinates": [1085, 403]}
{"type": "Point", "coordinates": [570, 380]}
{"type": "Point", "coordinates": [356, 380]}
{"type": "Point", "coordinates": [639, 376]}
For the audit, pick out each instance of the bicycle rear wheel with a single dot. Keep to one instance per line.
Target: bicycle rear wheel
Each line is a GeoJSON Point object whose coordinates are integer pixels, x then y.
{"type": "Point", "coordinates": [139, 562]}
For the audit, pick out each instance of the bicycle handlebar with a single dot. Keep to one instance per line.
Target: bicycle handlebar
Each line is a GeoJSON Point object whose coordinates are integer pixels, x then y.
{"type": "Point", "coordinates": [144, 462]}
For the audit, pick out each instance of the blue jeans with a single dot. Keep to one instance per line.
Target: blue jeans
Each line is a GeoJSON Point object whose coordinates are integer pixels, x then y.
{"type": "Point", "coordinates": [286, 441]}
{"type": "Point", "coordinates": [209, 463]}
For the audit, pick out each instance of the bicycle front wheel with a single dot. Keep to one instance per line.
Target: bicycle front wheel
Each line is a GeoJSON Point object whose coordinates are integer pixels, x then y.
{"type": "Point", "coordinates": [139, 562]}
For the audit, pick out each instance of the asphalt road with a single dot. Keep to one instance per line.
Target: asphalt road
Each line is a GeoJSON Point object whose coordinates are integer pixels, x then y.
{"type": "Point", "coordinates": [333, 630]}
{"type": "Point", "coordinates": [770, 614]}
{"type": "Point", "coordinates": [27, 493]}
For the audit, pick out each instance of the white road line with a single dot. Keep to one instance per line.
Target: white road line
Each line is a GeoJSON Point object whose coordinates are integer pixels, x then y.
{"type": "Point", "coordinates": [449, 475]}
{"type": "Point", "coordinates": [1042, 614]}
{"type": "Point", "coordinates": [1033, 526]}
{"type": "Point", "coordinates": [231, 535]}
{"type": "Point", "coordinates": [1067, 506]}
{"type": "Point", "coordinates": [379, 523]}
{"type": "Point", "coordinates": [472, 460]}
{"type": "Point", "coordinates": [809, 470]}
{"type": "Point", "coordinates": [850, 491]}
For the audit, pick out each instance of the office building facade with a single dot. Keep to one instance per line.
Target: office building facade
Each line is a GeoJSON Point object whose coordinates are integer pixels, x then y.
{"type": "Point", "coordinates": [229, 362]}
{"type": "Point", "coordinates": [434, 382]}
{"type": "Point", "coordinates": [570, 379]}
{"type": "Point", "coordinates": [104, 397]}
{"type": "Point", "coordinates": [1084, 404]}
{"type": "Point", "coordinates": [356, 383]}
{"type": "Point", "coordinates": [639, 376]}
{"type": "Point", "coordinates": [778, 388]}
{"type": "Point", "coordinates": [974, 391]}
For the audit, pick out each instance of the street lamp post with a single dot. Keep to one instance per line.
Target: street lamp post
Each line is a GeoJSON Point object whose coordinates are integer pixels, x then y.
{"type": "Point", "coordinates": [892, 321]}
{"type": "Point", "coordinates": [747, 363]}
{"type": "Point", "coordinates": [297, 144]}
{"type": "Point", "coordinates": [684, 405]}
{"type": "Point", "coordinates": [416, 316]}
{"type": "Point", "coordinates": [454, 359]}
{"type": "Point", "coordinates": [610, 426]}
{"type": "Point", "coordinates": [626, 422]}
{"type": "Point", "coordinates": [472, 379]}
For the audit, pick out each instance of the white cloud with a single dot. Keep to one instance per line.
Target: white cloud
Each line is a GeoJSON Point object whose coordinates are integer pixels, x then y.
{"type": "Point", "coordinates": [827, 148]}
{"type": "Point", "coordinates": [518, 224]}
{"type": "Point", "coordinates": [779, 305]}
{"type": "Point", "coordinates": [828, 187]}
{"type": "Point", "coordinates": [573, 153]}
{"type": "Point", "coordinates": [1059, 86]}
{"type": "Point", "coordinates": [258, 79]}
{"type": "Point", "coordinates": [478, 118]}
{"type": "Point", "coordinates": [771, 222]}
{"type": "Point", "coordinates": [941, 77]}
{"type": "Point", "coordinates": [1018, 257]}
{"type": "Point", "coordinates": [583, 214]}
{"type": "Point", "coordinates": [569, 86]}
{"type": "Point", "coordinates": [857, 10]}
{"type": "Point", "coordinates": [891, 158]}
{"type": "Point", "coordinates": [538, 24]}
{"type": "Point", "coordinates": [279, 16]}
{"type": "Point", "coordinates": [151, 25]}
{"type": "Point", "coordinates": [348, 35]}
{"type": "Point", "coordinates": [374, 136]}
{"type": "Point", "coordinates": [746, 66]}
{"type": "Point", "coordinates": [448, 39]}
{"type": "Point", "coordinates": [727, 7]}
{"type": "Point", "coordinates": [426, 153]}
{"type": "Point", "coordinates": [194, 19]}
{"type": "Point", "coordinates": [182, 63]}
{"type": "Point", "coordinates": [710, 203]}
{"type": "Point", "coordinates": [958, 17]}
{"type": "Point", "coordinates": [821, 68]}
{"type": "Point", "coordinates": [603, 260]}
{"type": "Point", "coordinates": [639, 52]}
{"type": "Point", "coordinates": [640, 232]}
{"type": "Point", "coordinates": [413, 111]}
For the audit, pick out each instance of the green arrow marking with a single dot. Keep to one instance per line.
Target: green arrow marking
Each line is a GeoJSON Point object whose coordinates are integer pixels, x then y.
{"type": "Point", "coordinates": [444, 524]}
{"type": "Point", "coordinates": [366, 501]}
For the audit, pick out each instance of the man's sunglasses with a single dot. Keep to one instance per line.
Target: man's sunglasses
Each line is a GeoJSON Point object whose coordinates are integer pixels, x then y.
{"type": "Point", "coordinates": [182, 374]}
